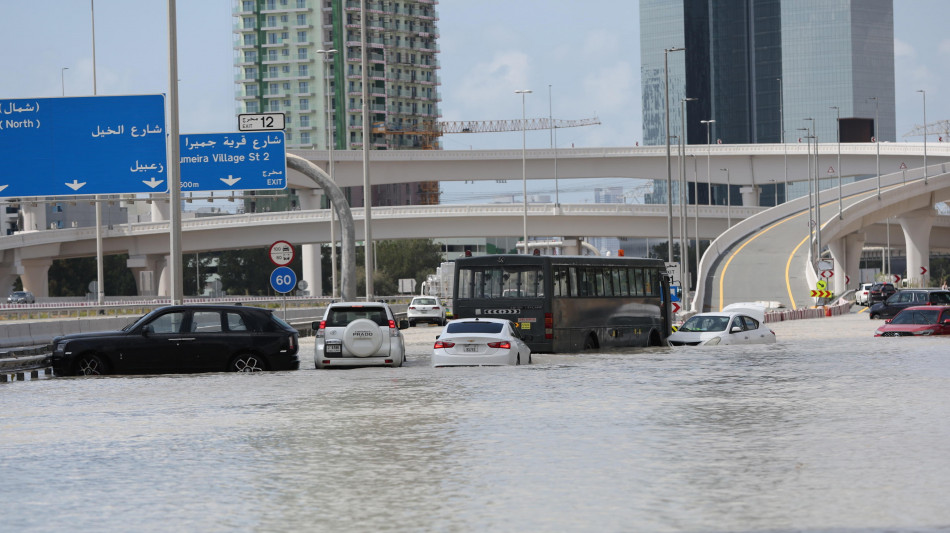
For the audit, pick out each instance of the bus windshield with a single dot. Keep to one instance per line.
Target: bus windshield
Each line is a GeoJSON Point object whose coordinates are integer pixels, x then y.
{"type": "Point", "coordinates": [501, 282]}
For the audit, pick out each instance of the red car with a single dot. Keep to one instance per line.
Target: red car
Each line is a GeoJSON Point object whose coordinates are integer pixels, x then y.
{"type": "Point", "coordinates": [917, 320]}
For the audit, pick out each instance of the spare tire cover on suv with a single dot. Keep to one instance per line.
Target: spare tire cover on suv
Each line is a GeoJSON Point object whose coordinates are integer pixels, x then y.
{"type": "Point", "coordinates": [362, 337]}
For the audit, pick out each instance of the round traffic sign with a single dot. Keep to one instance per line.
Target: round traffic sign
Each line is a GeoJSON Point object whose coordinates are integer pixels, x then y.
{"type": "Point", "coordinates": [283, 279]}
{"type": "Point", "coordinates": [281, 253]}
{"type": "Point", "coordinates": [821, 285]}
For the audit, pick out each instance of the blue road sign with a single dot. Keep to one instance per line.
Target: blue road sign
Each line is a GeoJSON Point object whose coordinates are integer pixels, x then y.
{"type": "Point", "coordinates": [283, 279]}
{"type": "Point", "coordinates": [233, 161]}
{"type": "Point", "coordinates": [82, 145]}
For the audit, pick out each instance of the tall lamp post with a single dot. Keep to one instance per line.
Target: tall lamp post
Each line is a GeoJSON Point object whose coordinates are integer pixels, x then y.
{"type": "Point", "coordinates": [684, 201]}
{"type": "Point", "coordinates": [669, 168]}
{"type": "Point", "coordinates": [553, 128]}
{"type": "Point", "coordinates": [838, 138]}
{"type": "Point", "coordinates": [524, 174]}
{"type": "Point", "coordinates": [781, 112]}
{"type": "Point", "coordinates": [708, 174]}
{"type": "Point", "coordinates": [62, 78]}
{"type": "Point", "coordinates": [924, 93]}
{"type": "Point", "coordinates": [327, 57]}
{"type": "Point", "coordinates": [877, 147]}
{"type": "Point", "coordinates": [728, 199]}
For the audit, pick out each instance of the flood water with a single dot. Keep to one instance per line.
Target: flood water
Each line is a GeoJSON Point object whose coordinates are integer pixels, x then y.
{"type": "Point", "coordinates": [834, 431]}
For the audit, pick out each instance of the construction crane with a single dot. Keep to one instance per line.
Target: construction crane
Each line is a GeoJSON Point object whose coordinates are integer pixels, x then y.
{"type": "Point", "coordinates": [941, 127]}
{"type": "Point", "coordinates": [429, 131]}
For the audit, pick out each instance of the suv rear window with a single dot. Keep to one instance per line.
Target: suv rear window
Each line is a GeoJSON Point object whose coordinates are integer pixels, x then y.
{"type": "Point", "coordinates": [341, 316]}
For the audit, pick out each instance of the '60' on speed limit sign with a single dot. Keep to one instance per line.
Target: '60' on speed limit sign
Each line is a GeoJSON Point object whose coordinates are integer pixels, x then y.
{"type": "Point", "coordinates": [283, 279]}
{"type": "Point", "coordinates": [281, 253]}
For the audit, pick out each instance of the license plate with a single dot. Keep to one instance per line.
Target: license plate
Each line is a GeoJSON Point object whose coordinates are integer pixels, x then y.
{"type": "Point", "coordinates": [471, 348]}
{"type": "Point", "coordinates": [334, 348]}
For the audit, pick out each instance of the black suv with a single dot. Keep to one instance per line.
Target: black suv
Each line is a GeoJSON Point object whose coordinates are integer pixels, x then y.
{"type": "Point", "coordinates": [908, 298]}
{"type": "Point", "coordinates": [880, 292]}
{"type": "Point", "coordinates": [183, 338]}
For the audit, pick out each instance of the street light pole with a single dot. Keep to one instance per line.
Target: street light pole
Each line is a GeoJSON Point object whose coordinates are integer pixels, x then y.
{"type": "Point", "coordinates": [838, 137]}
{"type": "Point", "coordinates": [524, 174]}
{"type": "Point", "coordinates": [62, 78]}
{"type": "Point", "coordinates": [924, 93]}
{"type": "Point", "coordinates": [728, 199]}
{"type": "Point", "coordinates": [877, 146]}
{"type": "Point", "coordinates": [781, 112]}
{"type": "Point", "coordinates": [327, 57]}
{"type": "Point", "coordinates": [708, 174]}
{"type": "Point", "coordinates": [684, 201]}
{"type": "Point", "coordinates": [669, 168]}
{"type": "Point", "coordinates": [557, 198]}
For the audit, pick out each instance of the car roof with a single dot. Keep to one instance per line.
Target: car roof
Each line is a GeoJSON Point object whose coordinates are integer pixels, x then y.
{"type": "Point", "coordinates": [375, 305]}
{"type": "Point", "coordinates": [496, 320]}
{"type": "Point", "coordinates": [213, 307]}
{"type": "Point", "coordinates": [925, 308]}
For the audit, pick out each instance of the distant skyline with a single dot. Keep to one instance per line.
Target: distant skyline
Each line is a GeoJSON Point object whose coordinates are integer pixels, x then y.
{"type": "Point", "coordinates": [580, 61]}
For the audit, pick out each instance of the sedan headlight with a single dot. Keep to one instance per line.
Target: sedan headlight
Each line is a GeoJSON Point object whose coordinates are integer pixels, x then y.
{"type": "Point", "coordinates": [713, 341]}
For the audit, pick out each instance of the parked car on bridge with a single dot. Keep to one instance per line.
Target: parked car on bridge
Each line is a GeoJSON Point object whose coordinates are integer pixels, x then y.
{"type": "Point", "coordinates": [905, 298]}
{"type": "Point", "coordinates": [917, 320]}
{"type": "Point", "coordinates": [425, 309]}
{"type": "Point", "coordinates": [21, 297]}
{"type": "Point", "coordinates": [354, 334]}
{"type": "Point", "coordinates": [726, 327]}
{"type": "Point", "coordinates": [480, 342]}
{"type": "Point", "coordinates": [862, 294]}
{"type": "Point", "coordinates": [880, 292]}
{"type": "Point", "coordinates": [183, 338]}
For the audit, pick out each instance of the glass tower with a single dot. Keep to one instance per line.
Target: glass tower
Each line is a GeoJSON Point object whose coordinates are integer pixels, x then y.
{"type": "Point", "coordinates": [756, 65]}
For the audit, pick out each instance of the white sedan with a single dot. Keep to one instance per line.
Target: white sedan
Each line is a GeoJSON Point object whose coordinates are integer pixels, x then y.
{"type": "Point", "coordinates": [727, 327]}
{"type": "Point", "coordinates": [480, 342]}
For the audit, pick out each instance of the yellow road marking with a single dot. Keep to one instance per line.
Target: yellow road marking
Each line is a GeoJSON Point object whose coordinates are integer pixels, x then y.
{"type": "Point", "coordinates": [788, 285]}
{"type": "Point", "coordinates": [739, 249]}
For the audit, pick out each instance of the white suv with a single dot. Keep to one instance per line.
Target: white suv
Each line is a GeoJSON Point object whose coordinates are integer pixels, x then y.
{"type": "Point", "coordinates": [426, 309]}
{"type": "Point", "coordinates": [861, 294]}
{"type": "Point", "coordinates": [359, 334]}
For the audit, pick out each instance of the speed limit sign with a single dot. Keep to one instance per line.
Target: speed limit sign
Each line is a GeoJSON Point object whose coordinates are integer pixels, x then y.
{"type": "Point", "coordinates": [281, 253]}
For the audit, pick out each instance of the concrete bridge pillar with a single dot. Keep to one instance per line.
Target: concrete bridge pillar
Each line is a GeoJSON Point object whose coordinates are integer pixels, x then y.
{"type": "Point", "coordinates": [8, 273]}
{"type": "Point", "coordinates": [160, 210]}
{"type": "Point", "coordinates": [917, 225]}
{"type": "Point", "coordinates": [164, 278]}
{"type": "Point", "coordinates": [147, 269]}
{"type": "Point", "coordinates": [34, 273]}
{"type": "Point", "coordinates": [34, 217]}
{"type": "Point", "coordinates": [847, 255]}
{"type": "Point", "coordinates": [750, 196]}
{"type": "Point", "coordinates": [311, 254]}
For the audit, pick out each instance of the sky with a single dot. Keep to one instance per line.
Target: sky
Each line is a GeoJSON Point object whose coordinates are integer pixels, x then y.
{"type": "Point", "coordinates": [581, 59]}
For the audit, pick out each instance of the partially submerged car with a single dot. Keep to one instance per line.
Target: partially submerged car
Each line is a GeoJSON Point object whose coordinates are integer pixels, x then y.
{"type": "Point", "coordinates": [733, 325]}
{"type": "Point", "coordinates": [917, 320]}
{"type": "Point", "coordinates": [480, 342]}
{"type": "Point", "coordinates": [183, 338]}
{"type": "Point", "coordinates": [354, 334]}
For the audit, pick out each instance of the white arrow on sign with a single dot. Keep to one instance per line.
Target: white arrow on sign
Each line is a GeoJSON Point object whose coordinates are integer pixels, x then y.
{"type": "Point", "coordinates": [230, 180]}
{"type": "Point", "coordinates": [152, 182]}
{"type": "Point", "coordinates": [75, 185]}
{"type": "Point", "coordinates": [3, 187]}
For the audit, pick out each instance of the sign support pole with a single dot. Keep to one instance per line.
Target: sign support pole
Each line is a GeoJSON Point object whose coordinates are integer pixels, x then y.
{"type": "Point", "coordinates": [174, 177]}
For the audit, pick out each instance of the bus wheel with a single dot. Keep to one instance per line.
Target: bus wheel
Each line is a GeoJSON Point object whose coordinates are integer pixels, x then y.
{"type": "Point", "coordinates": [654, 338]}
{"type": "Point", "coordinates": [590, 343]}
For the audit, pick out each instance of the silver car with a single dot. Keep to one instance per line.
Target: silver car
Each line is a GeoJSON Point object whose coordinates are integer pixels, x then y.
{"type": "Point", "coordinates": [21, 297]}
{"type": "Point", "coordinates": [359, 334]}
